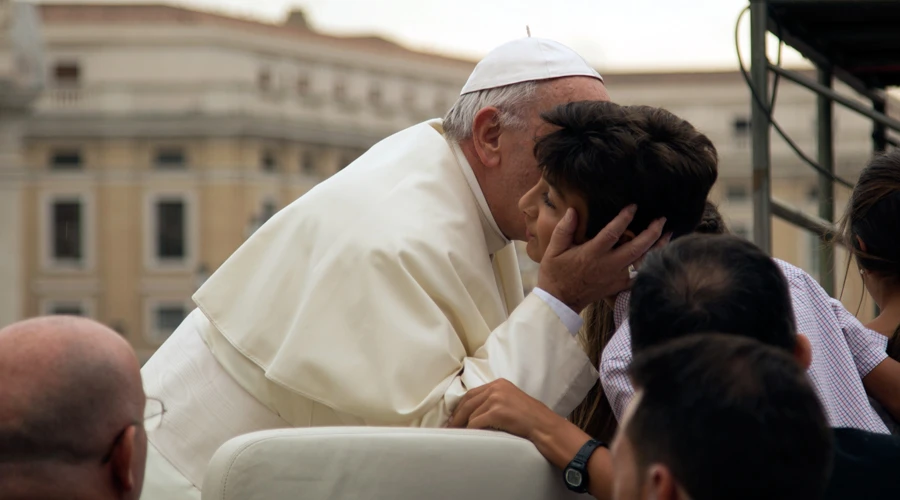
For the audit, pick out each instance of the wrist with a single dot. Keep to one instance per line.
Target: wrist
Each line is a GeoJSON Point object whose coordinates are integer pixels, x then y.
{"type": "Point", "coordinates": [558, 440]}
{"type": "Point", "coordinates": [558, 294]}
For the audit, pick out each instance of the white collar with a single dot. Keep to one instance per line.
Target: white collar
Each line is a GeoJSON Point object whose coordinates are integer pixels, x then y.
{"type": "Point", "coordinates": [492, 234]}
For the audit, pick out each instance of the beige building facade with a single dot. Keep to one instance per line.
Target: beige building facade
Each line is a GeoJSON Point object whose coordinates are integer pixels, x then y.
{"type": "Point", "coordinates": [163, 137]}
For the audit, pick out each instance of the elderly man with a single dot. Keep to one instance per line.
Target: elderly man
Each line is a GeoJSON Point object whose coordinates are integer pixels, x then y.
{"type": "Point", "coordinates": [389, 290]}
{"type": "Point", "coordinates": [71, 412]}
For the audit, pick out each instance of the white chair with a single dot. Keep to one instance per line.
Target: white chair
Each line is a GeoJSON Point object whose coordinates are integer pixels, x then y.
{"type": "Point", "coordinates": [381, 463]}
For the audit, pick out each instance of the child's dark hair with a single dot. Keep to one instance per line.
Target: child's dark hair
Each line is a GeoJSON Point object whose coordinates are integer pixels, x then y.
{"type": "Point", "coordinates": [618, 155]}
{"type": "Point", "coordinates": [613, 156]}
{"type": "Point", "coordinates": [873, 216]}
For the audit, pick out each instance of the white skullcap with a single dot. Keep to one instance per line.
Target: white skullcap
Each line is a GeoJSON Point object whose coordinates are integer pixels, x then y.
{"type": "Point", "coordinates": [525, 60]}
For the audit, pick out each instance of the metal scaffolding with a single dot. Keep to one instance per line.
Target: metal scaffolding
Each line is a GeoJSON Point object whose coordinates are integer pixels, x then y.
{"type": "Point", "coordinates": [855, 41]}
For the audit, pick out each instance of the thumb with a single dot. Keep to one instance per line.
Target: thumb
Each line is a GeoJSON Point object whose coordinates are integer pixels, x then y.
{"type": "Point", "coordinates": [562, 236]}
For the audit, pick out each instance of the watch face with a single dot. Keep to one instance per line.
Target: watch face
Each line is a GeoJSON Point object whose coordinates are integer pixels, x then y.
{"type": "Point", "coordinates": [574, 478]}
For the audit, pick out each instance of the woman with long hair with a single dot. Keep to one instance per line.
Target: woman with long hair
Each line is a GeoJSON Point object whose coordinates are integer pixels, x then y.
{"type": "Point", "coordinates": [871, 231]}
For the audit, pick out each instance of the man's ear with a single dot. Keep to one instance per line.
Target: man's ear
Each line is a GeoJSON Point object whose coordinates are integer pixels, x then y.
{"type": "Point", "coordinates": [123, 458]}
{"type": "Point", "coordinates": [661, 484]}
{"type": "Point", "coordinates": [486, 132]}
{"type": "Point", "coordinates": [803, 351]}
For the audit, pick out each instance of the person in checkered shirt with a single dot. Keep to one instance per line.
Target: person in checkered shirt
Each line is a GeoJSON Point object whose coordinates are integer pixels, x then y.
{"type": "Point", "coordinates": [848, 359]}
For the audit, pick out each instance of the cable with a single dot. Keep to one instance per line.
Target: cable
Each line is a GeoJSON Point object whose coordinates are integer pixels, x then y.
{"type": "Point", "coordinates": [768, 109]}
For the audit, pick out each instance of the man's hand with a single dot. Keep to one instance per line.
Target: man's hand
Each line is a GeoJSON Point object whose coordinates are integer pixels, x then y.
{"type": "Point", "coordinates": [502, 406]}
{"type": "Point", "coordinates": [590, 272]}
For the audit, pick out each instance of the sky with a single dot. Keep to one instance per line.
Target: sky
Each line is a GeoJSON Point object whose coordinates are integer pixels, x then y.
{"type": "Point", "coordinates": [614, 35]}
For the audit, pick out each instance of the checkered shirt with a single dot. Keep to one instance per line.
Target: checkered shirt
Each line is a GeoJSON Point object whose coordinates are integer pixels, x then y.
{"type": "Point", "coordinates": [843, 352]}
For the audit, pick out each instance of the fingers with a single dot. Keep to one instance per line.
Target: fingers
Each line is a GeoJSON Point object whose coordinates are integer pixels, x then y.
{"type": "Point", "coordinates": [635, 249]}
{"type": "Point", "coordinates": [562, 236]}
{"type": "Point", "coordinates": [473, 399]}
{"type": "Point", "coordinates": [666, 238]}
{"type": "Point", "coordinates": [659, 245]}
{"type": "Point", "coordinates": [609, 235]}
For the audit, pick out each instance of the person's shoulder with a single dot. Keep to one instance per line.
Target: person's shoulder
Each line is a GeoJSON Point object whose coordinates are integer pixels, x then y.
{"type": "Point", "coordinates": [865, 465]}
{"type": "Point", "coordinates": [790, 271]}
{"type": "Point", "coordinates": [869, 444]}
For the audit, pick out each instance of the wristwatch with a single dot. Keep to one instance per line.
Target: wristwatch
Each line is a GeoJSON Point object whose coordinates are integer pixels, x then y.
{"type": "Point", "coordinates": [575, 474]}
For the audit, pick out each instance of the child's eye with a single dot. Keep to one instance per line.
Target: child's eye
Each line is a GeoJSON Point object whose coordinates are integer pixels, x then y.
{"type": "Point", "coordinates": [547, 201]}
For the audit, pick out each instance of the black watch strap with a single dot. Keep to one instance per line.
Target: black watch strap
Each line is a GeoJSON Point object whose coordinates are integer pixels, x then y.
{"type": "Point", "coordinates": [575, 474]}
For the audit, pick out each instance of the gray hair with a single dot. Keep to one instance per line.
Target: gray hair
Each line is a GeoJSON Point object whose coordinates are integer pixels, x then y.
{"type": "Point", "coordinates": [511, 100]}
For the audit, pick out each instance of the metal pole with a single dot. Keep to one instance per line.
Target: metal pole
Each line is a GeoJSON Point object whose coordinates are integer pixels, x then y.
{"type": "Point", "coordinates": [760, 126]}
{"type": "Point", "coordinates": [879, 131]}
{"type": "Point", "coordinates": [821, 228]}
{"type": "Point", "coordinates": [826, 185]}
{"type": "Point", "coordinates": [876, 113]}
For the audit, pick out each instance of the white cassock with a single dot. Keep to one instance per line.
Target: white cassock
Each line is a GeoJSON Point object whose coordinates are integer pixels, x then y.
{"type": "Point", "coordinates": [378, 298]}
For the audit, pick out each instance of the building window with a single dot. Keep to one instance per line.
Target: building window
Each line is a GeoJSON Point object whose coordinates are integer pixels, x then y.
{"type": "Point", "coordinates": [67, 307]}
{"type": "Point", "coordinates": [68, 221]}
{"type": "Point", "coordinates": [169, 158]}
{"type": "Point", "coordinates": [269, 208]}
{"type": "Point", "coordinates": [340, 90]}
{"type": "Point", "coordinates": [66, 229]}
{"type": "Point", "coordinates": [308, 162]}
{"type": "Point", "coordinates": [264, 80]}
{"type": "Point", "coordinates": [65, 159]}
{"type": "Point", "coordinates": [170, 240]}
{"type": "Point", "coordinates": [165, 317]}
{"type": "Point", "coordinates": [376, 96]}
{"type": "Point", "coordinates": [267, 161]}
{"type": "Point", "coordinates": [741, 131]}
{"type": "Point", "coordinates": [303, 85]}
{"type": "Point", "coordinates": [736, 193]}
{"type": "Point", "coordinates": [171, 229]}
{"type": "Point", "coordinates": [67, 74]}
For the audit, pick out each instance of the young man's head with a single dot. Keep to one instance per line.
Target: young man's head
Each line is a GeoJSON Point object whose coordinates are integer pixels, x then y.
{"type": "Point", "coordinates": [720, 416]}
{"type": "Point", "coordinates": [600, 157]}
{"type": "Point", "coordinates": [704, 283]}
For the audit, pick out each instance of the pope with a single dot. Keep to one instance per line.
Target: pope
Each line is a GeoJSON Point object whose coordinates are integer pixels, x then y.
{"type": "Point", "coordinates": [386, 292]}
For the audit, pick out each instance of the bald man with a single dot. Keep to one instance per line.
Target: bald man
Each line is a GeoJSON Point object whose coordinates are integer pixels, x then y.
{"type": "Point", "coordinates": [71, 412]}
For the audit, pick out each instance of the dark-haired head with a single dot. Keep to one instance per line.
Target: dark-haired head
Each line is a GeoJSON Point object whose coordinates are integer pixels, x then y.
{"type": "Point", "coordinates": [718, 416]}
{"type": "Point", "coordinates": [707, 283]}
{"type": "Point", "coordinates": [871, 229]}
{"type": "Point", "coordinates": [612, 156]}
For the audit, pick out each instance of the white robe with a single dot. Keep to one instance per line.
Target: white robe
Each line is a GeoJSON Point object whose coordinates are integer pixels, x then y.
{"type": "Point", "coordinates": [378, 298]}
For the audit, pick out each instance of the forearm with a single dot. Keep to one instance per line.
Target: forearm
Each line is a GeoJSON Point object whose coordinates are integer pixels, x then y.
{"type": "Point", "coordinates": [560, 442]}
{"type": "Point", "coordinates": [534, 350]}
{"type": "Point", "coordinates": [883, 384]}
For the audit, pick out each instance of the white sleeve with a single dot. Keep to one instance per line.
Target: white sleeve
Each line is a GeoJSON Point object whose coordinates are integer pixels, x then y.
{"type": "Point", "coordinates": [570, 318]}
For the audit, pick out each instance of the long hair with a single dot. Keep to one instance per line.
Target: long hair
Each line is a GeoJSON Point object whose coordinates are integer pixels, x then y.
{"type": "Point", "coordinates": [594, 415]}
{"type": "Point", "coordinates": [873, 216]}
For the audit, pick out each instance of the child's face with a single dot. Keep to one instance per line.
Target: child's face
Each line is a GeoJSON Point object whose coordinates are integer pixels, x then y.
{"type": "Point", "coordinates": [543, 207]}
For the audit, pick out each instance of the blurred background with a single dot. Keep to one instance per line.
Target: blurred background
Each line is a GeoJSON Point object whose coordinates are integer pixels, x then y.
{"type": "Point", "coordinates": [141, 143]}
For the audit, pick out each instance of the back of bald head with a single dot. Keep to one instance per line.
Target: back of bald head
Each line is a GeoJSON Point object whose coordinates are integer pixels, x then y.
{"type": "Point", "coordinates": [69, 386]}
